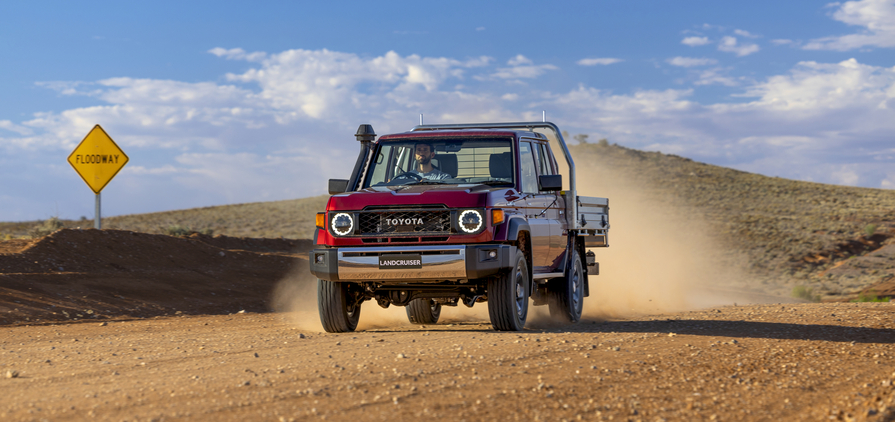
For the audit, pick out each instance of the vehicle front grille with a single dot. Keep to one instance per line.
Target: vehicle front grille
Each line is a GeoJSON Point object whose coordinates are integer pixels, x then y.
{"type": "Point", "coordinates": [423, 239]}
{"type": "Point", "coordinates": [404, 222]}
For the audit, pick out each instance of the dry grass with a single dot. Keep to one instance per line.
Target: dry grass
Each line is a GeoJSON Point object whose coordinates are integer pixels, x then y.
{"type": "Point", "coordinates": [291, 219]}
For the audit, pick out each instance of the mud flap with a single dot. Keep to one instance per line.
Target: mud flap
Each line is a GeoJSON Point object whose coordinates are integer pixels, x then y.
{"type": "Point", "coordinates": [591, 267]}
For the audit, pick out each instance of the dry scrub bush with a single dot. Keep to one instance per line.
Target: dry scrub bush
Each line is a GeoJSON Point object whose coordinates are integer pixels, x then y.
{"type": "Point", "coordinates": [177, 230]}
{"type": "Point", "coordinates": [46, 227]}
{"type": "Point", "coordinates": [807, 293]}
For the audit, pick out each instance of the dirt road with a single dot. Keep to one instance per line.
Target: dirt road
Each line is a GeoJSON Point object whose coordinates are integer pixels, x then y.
{"type": "Point", "coordinates": [767, 362]}
{"type": "Point", "coordinates": [122, 326]}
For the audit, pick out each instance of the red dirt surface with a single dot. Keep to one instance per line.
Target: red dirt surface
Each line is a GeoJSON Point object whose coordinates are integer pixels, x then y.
{"type": "Point", "coordinates": [101, 274]}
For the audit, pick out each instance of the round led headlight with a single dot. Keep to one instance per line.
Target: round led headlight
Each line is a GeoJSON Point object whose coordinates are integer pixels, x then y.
{"type": "Point", "coordinates": [342, 224]}
{"type": "Point", "coordinates": [471, 221]}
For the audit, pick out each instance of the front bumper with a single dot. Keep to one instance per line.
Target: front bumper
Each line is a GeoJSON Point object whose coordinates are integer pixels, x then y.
{"type": "Point", "coordinates": [439, 263]}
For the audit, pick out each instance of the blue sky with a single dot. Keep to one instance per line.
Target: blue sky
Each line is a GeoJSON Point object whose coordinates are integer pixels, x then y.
{"type": "Point", "coordinates": [227, 102]}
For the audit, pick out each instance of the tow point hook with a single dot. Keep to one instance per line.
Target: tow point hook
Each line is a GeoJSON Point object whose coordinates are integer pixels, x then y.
{"type": "Point", "coordinates": [469, 300]}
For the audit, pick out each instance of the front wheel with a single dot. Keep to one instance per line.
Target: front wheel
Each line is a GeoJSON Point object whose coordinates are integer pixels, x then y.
{"type": "Point", "coordinates": [565, 296]}
{"type": "Point", "coordinates": [339, 309]}
{"type": "Point", "coordinates": [423, 311]}
{"type": "Point", "coordinates": [508, 297]}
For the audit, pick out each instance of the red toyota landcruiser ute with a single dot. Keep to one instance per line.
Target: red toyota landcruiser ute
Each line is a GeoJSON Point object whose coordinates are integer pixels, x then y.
{"type": "Point", "coordinates": [445, 214]}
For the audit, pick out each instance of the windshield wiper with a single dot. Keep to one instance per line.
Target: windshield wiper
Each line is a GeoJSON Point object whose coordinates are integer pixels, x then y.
{"type": "Point", "coordinates": [427, 182]}
{"type": "Point", "coordinates": [494, 182]}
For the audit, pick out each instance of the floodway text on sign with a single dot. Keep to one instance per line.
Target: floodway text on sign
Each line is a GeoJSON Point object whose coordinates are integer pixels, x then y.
{"type": "Point", "coordinates": [96, 159]}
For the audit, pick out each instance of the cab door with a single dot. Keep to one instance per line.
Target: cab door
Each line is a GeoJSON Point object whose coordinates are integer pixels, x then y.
{"type": "Point", "coordinates": [555, 210]}
{"type": "Point", "coordinates": [535, 206]}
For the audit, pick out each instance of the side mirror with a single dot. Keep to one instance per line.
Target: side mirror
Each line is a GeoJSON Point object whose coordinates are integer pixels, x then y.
{"type": "Point", "coordinates": [551, 182]}
{"type": "Point", "coordinates": [338, 186]}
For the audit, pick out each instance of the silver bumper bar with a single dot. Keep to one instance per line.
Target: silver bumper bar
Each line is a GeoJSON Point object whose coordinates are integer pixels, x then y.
{"type": "Point", "coordinates": [438, 263]}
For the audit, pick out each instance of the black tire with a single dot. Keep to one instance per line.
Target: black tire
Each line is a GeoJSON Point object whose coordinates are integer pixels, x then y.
{"type": "Point", "coordinates": [339, 312]}
{"type": "Point", "coordinates": [508, 296]}
{"type": "Point", "coordinates": [565, 296]}
{"type": "Point", "coordinates": [423, 311]}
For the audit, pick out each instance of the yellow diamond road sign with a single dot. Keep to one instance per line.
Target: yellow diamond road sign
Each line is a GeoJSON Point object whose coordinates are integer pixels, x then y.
{"type": "Point", "coordinates": [97, 159]}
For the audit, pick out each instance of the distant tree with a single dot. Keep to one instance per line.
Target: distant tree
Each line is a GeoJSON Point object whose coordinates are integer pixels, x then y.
{"type": "Point", "coordinates": [603, 142]}
{"type": "Point", "coordinates": [581, 138]}
{"type": "Point", "coordinates": [565, 135]}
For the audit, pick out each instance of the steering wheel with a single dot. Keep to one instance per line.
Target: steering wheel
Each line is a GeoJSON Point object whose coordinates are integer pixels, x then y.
{"type": "Point", "coordinates": [406, 175]}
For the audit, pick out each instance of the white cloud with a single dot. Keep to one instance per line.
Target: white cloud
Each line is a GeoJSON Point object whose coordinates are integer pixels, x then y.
{"type": "Point", "coordinates": [744, 33]}
{"type": "Point", "coordinates": [819, 87]}
{"type": "Point", "coordinates": [690, 61]}
{"type": "Point", "coordinates": [695, 41]}
{"type": "Point", "coordinates": [716, 76]}
{"type": "Point", "coordinates": [519, 60]}
{"type": "Point", "coordinates": [316, 83]}
{"type": "Point", "coordinates": [877, 17]}
{"type": "Point", "coordinates": [238, 54]}
{"type": "Point", "coordinates": [65, 87]}
{"type": "Point", "coordinates": [12, 127]}
{"type": "Point", "coordinates": [730, 45]}
{"type": "Point", "coordinates": [288, 118]}
{"type": "Point", "coordinates": [818, 122]}
{"type": "Point", "coordinates": [888, 183]}
{"type": "Point", "coordinates": [846, 176]}
{"type": "Point", "coordinates": [599, 61]}
{"type": "Point", "coordinates": [153, 91]}
{"type": "Point", "coordinates": [782, 42]}
{"type": "Point", "coordinates": [521, 67]}
{"type": "Point", "coordinates": [712, 76]}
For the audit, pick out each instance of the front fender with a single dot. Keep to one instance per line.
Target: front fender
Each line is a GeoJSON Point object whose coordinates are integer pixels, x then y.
{"type": "Point", "coordinates": [513, 227]}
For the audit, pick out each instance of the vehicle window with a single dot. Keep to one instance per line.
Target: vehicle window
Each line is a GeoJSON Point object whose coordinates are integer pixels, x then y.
{"type": "Point", "coordinates": [379, 171]}
{"type": "Point", "coordinates": [544, 165]}
{"type": "Point", "coordinates": [442, 161]}
{"type": "Point", "coordinates": [527, 168]}
{"type": "Point", "coordinates": [536, 153]}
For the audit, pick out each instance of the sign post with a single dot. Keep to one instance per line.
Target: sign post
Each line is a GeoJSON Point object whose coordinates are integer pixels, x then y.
{"type": "Point", "coordinates": [97, 159]}
{"type": "Point", "coordinates": [97, 221]}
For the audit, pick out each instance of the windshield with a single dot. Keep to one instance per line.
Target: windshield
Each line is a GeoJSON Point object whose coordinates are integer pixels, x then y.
{"type": "Point", "coordinates": [442, 161]}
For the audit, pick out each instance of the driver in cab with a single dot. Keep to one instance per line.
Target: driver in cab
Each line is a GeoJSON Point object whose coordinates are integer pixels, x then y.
{"type": "Point", "coordinates": [424, 153]}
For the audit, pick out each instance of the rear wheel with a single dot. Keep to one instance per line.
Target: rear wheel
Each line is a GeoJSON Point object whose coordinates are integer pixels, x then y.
{"type": "Point", "coordinates": [423, 311]}
{"type": "Point", "coordinates": [565, 296]}
{"type": "Point", "coordinates": [339, 310]}
{"type": "Point", "coordinates": [508, 297]}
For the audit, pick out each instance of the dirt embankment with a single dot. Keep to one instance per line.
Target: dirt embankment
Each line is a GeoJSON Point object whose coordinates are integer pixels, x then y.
{"type": "Point", "coordinates": [100, 274]}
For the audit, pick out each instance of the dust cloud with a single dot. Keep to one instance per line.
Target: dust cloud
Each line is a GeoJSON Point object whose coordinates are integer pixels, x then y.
{"type": "Point", "coordinates": [661, 255]}
{"type": "Point", "coordinates": [295, 296]}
